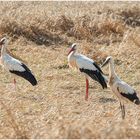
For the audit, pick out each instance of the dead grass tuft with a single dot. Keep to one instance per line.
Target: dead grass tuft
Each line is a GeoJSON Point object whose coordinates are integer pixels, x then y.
{"type": "Point", "coordinates": [19, 131]}
{"type": "Point", "coordinates": [64, 24]}
{"type": "Point", "coordinates": [111, 26]}
{"type": "Point", "coordinates": [131, 16]}
{"type": "Point", "coordinates": [32, 33]}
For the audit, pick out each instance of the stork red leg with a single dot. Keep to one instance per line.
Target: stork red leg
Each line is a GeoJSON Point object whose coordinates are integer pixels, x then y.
{"type": "Point", "coordinates": [87, 85]}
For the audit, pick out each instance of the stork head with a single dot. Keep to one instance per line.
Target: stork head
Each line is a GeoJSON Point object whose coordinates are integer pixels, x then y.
{"type": "Point", "coordinates": [3, 41]}
{"type": "Point", "coordinates": [72, 48]}
{"type": "Point", "coordinates": [108, 59]}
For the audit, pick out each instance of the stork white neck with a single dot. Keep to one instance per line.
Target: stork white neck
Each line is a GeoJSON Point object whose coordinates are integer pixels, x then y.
{"type": "Point", "coordinates": [72, 53]}
{"type": "Point", "coordinates": [111, 69]}
{"type": "Point", "coordinates": [3, 50]}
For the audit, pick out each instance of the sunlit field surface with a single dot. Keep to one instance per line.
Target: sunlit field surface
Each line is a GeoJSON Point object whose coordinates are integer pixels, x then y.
{"type": "Point", "coordinates": [40, 33]}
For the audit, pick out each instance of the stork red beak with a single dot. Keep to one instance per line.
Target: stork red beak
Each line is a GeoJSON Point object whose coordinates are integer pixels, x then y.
{"type": "Point", "coordinates": [70, 51]}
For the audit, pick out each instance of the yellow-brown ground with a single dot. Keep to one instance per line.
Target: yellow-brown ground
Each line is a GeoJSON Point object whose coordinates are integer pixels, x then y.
{"type": "Point", "coordinates": [40, 33]}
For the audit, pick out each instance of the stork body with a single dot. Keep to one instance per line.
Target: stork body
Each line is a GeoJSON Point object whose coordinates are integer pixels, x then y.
{"type": "Point", "coordinates": [122, 90]}
{"type": "Point", "coordinates": [15, 66]}
{"type": "Point", "coordinates": [86, 66]}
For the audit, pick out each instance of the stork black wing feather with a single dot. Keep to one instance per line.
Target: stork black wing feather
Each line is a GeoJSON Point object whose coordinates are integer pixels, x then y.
{"type": "Point", "coordinates": [132, 97]}
{"type": "Point", "coordinates": [26, 74]}
{"type": "Point", "coordinates": [95, 75]}
{"type": "Point", "coordinates": [98, 67]}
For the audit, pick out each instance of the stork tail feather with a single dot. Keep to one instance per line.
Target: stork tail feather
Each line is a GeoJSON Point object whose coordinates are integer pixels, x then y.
{"type": "Point", "coordinates": [137, 102]}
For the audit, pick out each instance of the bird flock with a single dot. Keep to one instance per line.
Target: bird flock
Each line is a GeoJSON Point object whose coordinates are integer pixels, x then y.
{"type": "Point", "coordinates": [124, 92]}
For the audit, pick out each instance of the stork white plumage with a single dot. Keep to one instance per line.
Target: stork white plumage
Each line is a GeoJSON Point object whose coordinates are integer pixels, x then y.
{"type": "Point", "coordinates": [87, 66]}
{"type": "Point", "coordinates": [15, 66]}
{"type": "Point", "coordinates": [122, 90]}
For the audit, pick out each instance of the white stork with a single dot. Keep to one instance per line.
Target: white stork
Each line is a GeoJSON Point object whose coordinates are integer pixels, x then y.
{"type": "Point", "coordinates": [86, 66]}
{"type": "Point", "coordinates": [123, 91]}
{"type": "Point", "coordinates": [15, 66]}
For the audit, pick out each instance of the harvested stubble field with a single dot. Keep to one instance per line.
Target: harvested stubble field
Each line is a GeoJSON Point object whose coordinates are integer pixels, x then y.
{"type": "Point", "coordinates": [40, 33]}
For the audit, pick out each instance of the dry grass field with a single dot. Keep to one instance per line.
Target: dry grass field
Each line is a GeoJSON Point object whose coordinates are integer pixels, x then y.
{"type": "Point", "coordinates": [40, 33]}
